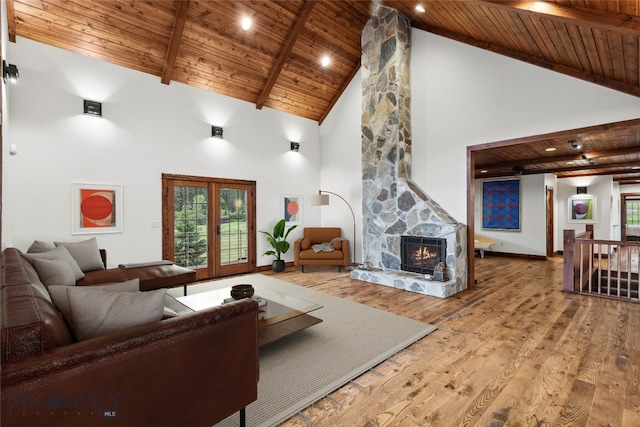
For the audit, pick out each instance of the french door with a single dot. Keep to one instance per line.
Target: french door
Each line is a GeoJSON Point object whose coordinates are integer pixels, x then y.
{"type": "Point", "coordinates": [209, 224]}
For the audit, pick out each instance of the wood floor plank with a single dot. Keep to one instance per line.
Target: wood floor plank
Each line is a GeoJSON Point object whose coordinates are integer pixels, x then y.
{"type": "Point", "coordinates": [513, 351]}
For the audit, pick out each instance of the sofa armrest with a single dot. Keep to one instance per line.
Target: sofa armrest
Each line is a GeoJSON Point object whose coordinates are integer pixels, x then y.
{"type": "Point", "coordinates": [205, 361]}
{"type": "Point", "coordinates": [296, 251]}
{"type": "Point", "coordinates": [345, 252]}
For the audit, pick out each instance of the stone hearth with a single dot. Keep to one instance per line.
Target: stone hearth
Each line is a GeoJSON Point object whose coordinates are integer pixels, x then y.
{"type": "Point", "coordinates": [393, 205]}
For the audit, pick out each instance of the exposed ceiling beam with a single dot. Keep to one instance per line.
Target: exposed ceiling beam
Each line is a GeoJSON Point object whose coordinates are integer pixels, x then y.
{"type": "Point", "coordinates": [284, 53]}
{"type": "Point", "coordinates": [174, 42]}
{"type": "Point", "coordinates": [11, 20]}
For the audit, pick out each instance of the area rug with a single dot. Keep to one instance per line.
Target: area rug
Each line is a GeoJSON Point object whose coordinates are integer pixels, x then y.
{"type": "Point", "coordinates": [301, 369]}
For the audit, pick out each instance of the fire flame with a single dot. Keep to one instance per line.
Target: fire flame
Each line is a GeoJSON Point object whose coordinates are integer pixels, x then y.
{"type": "Point", "coordinates": [423, 253]}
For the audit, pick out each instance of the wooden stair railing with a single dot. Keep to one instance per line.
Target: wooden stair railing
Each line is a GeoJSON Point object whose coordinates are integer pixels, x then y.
{"type": "Point", "coordinates": [605, 268]}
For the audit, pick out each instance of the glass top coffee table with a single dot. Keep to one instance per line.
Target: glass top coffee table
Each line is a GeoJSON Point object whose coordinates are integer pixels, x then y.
{"type": "Point", "coordinates": [282, 315]}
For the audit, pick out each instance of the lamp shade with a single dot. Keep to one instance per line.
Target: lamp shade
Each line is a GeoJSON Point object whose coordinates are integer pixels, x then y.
{"type": "Point", "coordinates": [319, 199]}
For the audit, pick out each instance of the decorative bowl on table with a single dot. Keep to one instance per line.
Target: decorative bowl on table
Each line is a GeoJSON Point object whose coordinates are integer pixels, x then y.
{"type": "Point", "coordinates": [242, 291]}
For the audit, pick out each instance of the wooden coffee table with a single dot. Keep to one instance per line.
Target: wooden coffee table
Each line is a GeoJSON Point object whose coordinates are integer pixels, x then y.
{"type": "Point", "coordinates": [282, 315]}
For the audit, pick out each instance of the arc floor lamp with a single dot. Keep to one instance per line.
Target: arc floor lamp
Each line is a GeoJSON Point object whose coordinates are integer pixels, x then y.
{"type": "Point", "coordinates": [321, 199]}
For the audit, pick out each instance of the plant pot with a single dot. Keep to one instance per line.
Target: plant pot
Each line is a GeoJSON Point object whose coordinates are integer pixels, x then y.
{"type": "Point", "coordinates": [277, 266]}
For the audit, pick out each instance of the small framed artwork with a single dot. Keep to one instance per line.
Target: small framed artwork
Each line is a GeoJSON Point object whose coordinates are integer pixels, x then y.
{"type": "Point", "coordinates": [582, 209]}
{"type": "Point", "coordinates": [501, 204]}
{"type": "Point", "coordinates": [292, 208]}
{"type": "Point", "coordinates": [96, 208]}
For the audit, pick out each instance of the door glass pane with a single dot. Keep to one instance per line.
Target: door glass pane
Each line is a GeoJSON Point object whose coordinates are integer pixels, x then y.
{"type": "Point", "coordinates": [234, 239]}
{"type": "Point", "coordinates": [633, 212]}
{"type": "Point", "coordinates": [190, 226]}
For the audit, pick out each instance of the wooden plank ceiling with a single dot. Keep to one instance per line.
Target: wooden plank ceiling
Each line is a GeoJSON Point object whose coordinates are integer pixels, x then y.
{"type": "Point", "coordinates": [277, 62]}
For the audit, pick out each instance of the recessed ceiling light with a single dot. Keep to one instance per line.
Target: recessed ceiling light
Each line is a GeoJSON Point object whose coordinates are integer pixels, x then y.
{"type": "Point", "coordinates": [325, 61]}
{"type": "Point", "coordinates": [246, 23]}
{"type": "Point", "coordinates": [483, 171]}
{"type": "Point", "coordinates": [550, 149]}
{"type": "Point", "coordinates": [571, 162]}
{"type": "Point", "coordinates": [420, 8]}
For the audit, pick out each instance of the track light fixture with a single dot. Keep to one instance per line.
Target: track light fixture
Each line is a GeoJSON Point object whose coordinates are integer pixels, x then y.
{"type": "Point", "coordinates": [10, 72]}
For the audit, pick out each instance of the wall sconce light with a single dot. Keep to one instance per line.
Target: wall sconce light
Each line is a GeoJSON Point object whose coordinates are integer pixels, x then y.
{"type": "Point", "coordinates": [295, 146]}
{"type": "Point", "coordinates": [93, 108]}
{"type": "Point", "coordinates": [10, 72]}
{"type": "Point", "coordinates": [581, 190]}
{"type": "Point", "coordinates": [216, 132]}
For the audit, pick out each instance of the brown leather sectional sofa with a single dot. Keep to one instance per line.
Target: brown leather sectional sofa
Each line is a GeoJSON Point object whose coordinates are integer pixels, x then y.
{"type": "Point", "coordinates": [191, 370]}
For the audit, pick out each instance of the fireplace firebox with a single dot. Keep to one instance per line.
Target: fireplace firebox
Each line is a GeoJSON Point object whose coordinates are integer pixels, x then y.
{"type": "Point", "coordinates": [422, 254]}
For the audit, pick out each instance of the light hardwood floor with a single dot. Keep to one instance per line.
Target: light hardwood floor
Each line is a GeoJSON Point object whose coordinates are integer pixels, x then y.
{"type": "Point", "coordinates": [513, 351]}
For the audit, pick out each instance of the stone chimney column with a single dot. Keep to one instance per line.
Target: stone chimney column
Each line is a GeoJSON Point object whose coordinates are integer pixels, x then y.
{"type": "Point", "coordinates": [386, 90]}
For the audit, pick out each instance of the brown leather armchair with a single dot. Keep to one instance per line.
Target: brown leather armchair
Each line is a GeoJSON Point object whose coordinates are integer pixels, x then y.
{"type": "Point", "coordinates": [334, 248]}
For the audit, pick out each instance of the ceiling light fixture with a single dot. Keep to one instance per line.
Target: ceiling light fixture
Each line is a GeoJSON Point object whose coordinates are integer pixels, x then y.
{"type": "Point", "coordinates": [325, 61]}
{"type": "Point", "coordinates": [575, 144]}
{"type": "Point", "coordinates": [246, 23]}
{"type": "Point", "coordinates": [550, 149]}
{"type": "Point", "coordinates": [420, 8]}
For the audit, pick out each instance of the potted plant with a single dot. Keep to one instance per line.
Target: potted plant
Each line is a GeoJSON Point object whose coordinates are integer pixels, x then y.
{"type": "Point", "coordinates": [278, 241]}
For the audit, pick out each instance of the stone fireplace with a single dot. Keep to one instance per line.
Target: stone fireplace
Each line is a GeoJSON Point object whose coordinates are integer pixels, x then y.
{"type": "Point", "coordinates": [392, 205]}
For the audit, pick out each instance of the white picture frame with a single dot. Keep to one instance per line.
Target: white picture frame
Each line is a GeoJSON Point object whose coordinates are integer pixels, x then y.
{"type": "Point", "coordinates": [581, 208]}
{"type": "Point", "coordinates": [291, 205]}
{"type": "Point", "coordinates": [96, 208]}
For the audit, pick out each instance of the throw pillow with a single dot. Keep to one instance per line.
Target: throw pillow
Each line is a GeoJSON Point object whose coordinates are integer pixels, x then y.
{"type": "Point", "coordinates": [59, 253]}
{"type": "Point", "coordinates": [54, 272]}
{"type": "Point", "coordinates": [337, 243]}
{"type": "Point", "coordinates": [97, 313]}
{"type": "Point", "coordinates": [61, 300]}
{"type": "Point", "coordinates": [305, 244]}
{"type": "Point", "coordinates": [86, 254]}
{"type": "Point", "coordinates": [39, 246]}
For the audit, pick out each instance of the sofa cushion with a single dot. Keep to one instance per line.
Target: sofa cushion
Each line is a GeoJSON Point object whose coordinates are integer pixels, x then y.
{"type": "Point", "coordinates": [310, 254]}
{"type": "Point", "coordinates": [86, 254]}
{"type": "Point", "coordinates": [98, 312]}
{"type": "Point", "coordinates": [54, 272]}
{"type": "Point", "coordinates": [321, 234]}
{"type": "Point", "coordinates": [39, 246]}
{"type": "Point", "coordinates": [59, 253]}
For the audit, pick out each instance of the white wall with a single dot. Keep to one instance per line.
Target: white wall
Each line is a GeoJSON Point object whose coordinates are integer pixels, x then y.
{"type": "Point", "coordinates": [340, 157]}
{"type": "Point", "coordinates": [599, 186]}
{"type": "Point", "coordinates": [462, 96]}
{"type": "Point", "coordinates": [531, 238]}
{"type": "Point", "coordinates": [147, 129]}
{"type": "Point", "coordinates": [465, 96]}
